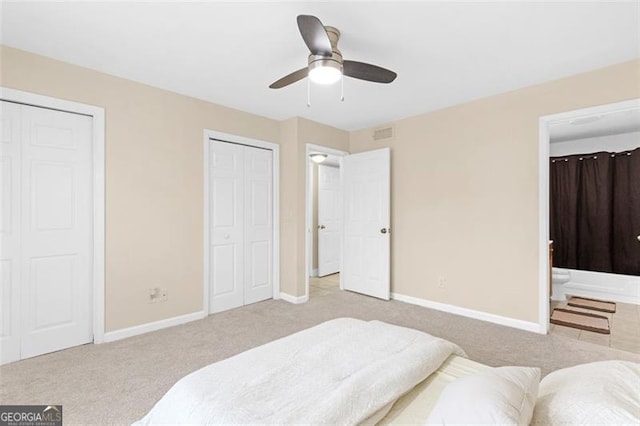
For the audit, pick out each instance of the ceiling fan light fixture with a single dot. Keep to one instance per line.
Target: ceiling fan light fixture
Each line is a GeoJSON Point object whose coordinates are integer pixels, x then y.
{"type": "Point", "coordinates": [318, 157]}
{"type": "Point", "coordinates": [325, 71]}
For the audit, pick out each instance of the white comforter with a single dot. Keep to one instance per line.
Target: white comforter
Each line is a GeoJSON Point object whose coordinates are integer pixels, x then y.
{"type": "Point", "coordinates": [340, 372]}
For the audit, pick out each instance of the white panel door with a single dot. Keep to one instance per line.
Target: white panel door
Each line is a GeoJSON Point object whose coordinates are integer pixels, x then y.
{"type": "Point", "coordinates": [241, 223]}
{"type": "Point", "coordinates": [366, 201]}
{"type": "Point", "coordinates": [329, 223]}
{"type": "Point", "coordinates": [226, 220]}
{"type": "Point", "coordinates": [258, 214]}
{"type": "Point", "coordinates": [56, 234]}
{"type": "Point", "coordinates": [10, 232]}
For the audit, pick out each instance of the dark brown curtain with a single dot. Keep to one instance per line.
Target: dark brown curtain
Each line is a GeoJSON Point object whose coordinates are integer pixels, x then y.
{"type": "Point", "coordinates": [595, 211]}
{"type": "Point", "coordinates": [626, 213]}
{"type": "Point", "coordinates": [565, 179]}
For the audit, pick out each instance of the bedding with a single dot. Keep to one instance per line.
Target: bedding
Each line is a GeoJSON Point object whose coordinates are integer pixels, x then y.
{"type": "Point", "coordinates": [415, 406]}
{"type": "Point", "coordinates": [342, 371]}
{"type": "Point", "coordinates": [503, 395]}
{"type": "Point", "coordinates": [606, 392]}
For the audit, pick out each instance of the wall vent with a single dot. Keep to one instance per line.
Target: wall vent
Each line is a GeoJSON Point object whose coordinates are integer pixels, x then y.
{"type": "Point", "coordinates": [384, 133]}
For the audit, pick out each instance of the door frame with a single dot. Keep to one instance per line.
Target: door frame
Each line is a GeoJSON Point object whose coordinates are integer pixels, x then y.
{"type": "Point", "coordinates": [543, 192]}
{"type": "Point", "coordinates": [308, 194]}
{"type": "Point", "coordinates": [212, 135]}
{"type": "Point", "coordinates": [98, 190]}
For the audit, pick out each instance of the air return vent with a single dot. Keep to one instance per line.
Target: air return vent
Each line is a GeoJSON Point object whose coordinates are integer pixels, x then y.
{"type": "Point", "coordinates": [383, 133]}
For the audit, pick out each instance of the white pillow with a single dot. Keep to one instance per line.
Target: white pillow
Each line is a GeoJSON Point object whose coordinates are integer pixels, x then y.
{"type": "Point", "coordinates": [503, 395]}
{"type": "Point", "coordinates": [605, 392]}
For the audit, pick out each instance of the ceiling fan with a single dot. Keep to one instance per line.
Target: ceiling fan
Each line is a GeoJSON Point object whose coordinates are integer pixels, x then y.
{"type": "Point", "coordinates": [325, 62]}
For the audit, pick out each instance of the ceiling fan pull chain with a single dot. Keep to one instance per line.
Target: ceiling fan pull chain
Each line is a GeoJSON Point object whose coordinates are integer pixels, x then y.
{"type": "Point", "coordinates": [342, 88]}
{"type": "Point", "coordinates": [308, 93]}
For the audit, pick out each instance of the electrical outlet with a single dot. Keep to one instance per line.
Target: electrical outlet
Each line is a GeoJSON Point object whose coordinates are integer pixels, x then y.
{"type": "Point", "coordinates": [154, 295]}
{"type": "Point", "coordinates": [442, 281]}
{"type": "Point", "coordinates": [164, 295]}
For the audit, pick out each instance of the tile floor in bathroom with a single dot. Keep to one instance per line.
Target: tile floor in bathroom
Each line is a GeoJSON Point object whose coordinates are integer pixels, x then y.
{"type": "Point", "coordinates": [624, 323]}
{"type": "Point", "coordinates": [324, 285]}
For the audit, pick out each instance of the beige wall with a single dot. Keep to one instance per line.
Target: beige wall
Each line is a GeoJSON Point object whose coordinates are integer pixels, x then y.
{"type": "Point", "coordinates": [316, 134]}
{"type": "Point", "coordinates": [288, 206]}
{"type": "Point", "coordinates": [464, 184]}
{"type": "Point", "coordinates": [295, 133]}
{"type": "Point", "coordinates": [154, 182]}
{"type": "Point", "coordinates": [465, 192]}
{"type": "Point", "coordinates": [154, 185]}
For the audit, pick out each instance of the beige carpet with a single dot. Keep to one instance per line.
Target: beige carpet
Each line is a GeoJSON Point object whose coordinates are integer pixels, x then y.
{"type": "Point", "coordinates": [119, 382]}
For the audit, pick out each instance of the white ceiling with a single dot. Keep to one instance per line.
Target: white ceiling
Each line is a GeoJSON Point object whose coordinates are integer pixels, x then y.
{"type": "Point", "coordinates": [599, 125]}
{"type": "Point", "coordinates": [444, 53]}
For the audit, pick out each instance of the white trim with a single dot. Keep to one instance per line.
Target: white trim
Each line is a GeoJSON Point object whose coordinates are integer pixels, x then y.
{"type": "Point", "coordinates": [314, 272]}
{"type": "Point", "coordinates": [310, 206]}
{"type": "Point", "coordinates": [543, 193]}
{"type": "Point", "coordinates": [543, 229]}
{"type": "Point", "coordinates": [308, 194]}
{"type": "Point", "coordinates": [470, 313]}
{"type": "Point", "coordinates": [293, 299]}
{"type": "Point", "coordinates": [208, 135]}
{"type": "Point", "coordinates": [123, 333]}
{"type": "Point", "coordinates": [98, 238]}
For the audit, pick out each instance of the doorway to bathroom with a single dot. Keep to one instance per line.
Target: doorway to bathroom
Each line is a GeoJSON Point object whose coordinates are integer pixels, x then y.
{"type": "Point", "coordinates": [590, 224]}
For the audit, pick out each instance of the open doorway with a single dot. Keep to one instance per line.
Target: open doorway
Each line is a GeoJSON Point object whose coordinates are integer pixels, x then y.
{"type": "Point", "coordinates": [324, 220]}
{"type": "Point", "coordinates": [590, 226]}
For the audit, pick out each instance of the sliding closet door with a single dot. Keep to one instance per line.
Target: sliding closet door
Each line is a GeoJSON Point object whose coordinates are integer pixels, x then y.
{"type": "Point", "coordinates": [226, 189]}
{"type": "Point", "coordinates": [46, 264]}
{"type": "Point", "coordinates": [241, 224]}
{"type": "Point", "coordinates": [258, 225]}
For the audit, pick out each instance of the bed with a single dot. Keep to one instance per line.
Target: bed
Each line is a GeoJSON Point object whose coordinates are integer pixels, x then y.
{"type": "Point", "coordinates": [349, 371]}
{"type": "Point", "coordinates": [415, 406]}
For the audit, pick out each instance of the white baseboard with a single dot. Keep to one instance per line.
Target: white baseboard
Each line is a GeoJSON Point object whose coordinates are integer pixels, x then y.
{"type": "Point", "coordinates": [293, 299]}
{"type": "Point", "coordinates": [465, 312]}
{"type": "Point", "coordinates": [314, 272]}
{"type": "Point", "coordinates": [152, 326]}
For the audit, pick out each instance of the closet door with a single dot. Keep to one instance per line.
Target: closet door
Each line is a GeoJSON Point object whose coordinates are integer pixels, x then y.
{"type": "Point", "coordinates": [56, 237]}
{"type": "Point", "coordinates": [46, 228]}
{"type": "Point", "coordinates": [226, 255]}
{"type": "Point", "coordinates": [241, 225]}
{"type": "Point", "coordinates": [10, 233]}
{"type": "Point", "coordinates": [258, 225]}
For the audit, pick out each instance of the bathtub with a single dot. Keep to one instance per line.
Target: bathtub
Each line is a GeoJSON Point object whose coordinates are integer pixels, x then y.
{"type": "Point", "coordinates": [598, 285]}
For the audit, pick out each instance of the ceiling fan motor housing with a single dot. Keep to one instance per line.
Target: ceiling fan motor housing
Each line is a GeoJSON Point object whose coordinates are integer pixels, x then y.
{"type": "Point", "coordinates": [333, 61]}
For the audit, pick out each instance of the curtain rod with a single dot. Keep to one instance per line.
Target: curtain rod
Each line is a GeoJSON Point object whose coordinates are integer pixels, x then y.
{"type": "Point", "coordinates": [588, 157]}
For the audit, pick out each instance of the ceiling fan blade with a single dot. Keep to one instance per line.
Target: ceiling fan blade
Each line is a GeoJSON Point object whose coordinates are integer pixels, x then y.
{"type": "Point", "coordinates": [314, 35]}
{"type": "Point", "coordinates": [368, 72]}
{"type": "Point", "coordinates": [291, 78]}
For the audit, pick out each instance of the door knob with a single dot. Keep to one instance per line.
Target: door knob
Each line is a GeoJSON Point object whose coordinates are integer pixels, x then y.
{"type": "Point", "coordinates": [384, 230]}
{"type": "Point", "coordinates": [321, 227]}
